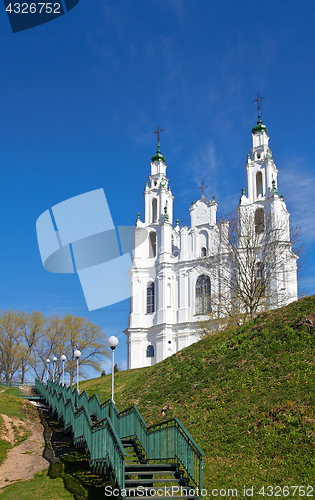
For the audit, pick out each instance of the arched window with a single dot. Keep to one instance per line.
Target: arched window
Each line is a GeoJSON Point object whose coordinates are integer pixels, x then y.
{"type": "Point", "coordinates": [260, 277]}
{"type": "Point", "coordinates": [154, 210]}
{"type": "Point", "coordinates": [203, 295]}
{"type": "Point", "coordinates": [150, 351]}
{"type": "Point", "coordinates": [259, 220]}
{"type": "Point", "coordinates": [152, 244]}
{"type": "Point", "coordinates": [150, 298]}
{"type": "Point", "coordinates": [259, 190]}
{"type": "Point", "coordinates": [175, 249]}
{"type": "Point", "coordinates": [203, 242]}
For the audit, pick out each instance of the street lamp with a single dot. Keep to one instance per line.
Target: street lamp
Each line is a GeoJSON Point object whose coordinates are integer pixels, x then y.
{"type": "Point", "coordinates": [47, 361]}
{"type": "Point", "coordinates": [77, 354]}
{"type": "Point", "coordinates": [63, 359]}
{"type": "Point", "coordinates": [112, 343]}
{"type": "Point", "coordinates": [54, 360]}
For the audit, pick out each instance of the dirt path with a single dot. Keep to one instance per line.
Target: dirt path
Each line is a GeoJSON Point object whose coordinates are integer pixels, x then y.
{"type": "Point", "coordinates": [25, 460]}
{"type": "Point", "coordinates": [9, 422]}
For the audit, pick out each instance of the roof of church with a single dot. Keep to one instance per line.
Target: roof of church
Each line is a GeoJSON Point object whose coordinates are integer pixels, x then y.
{"type": "Point", "coordinates": [259, 127]}
{"type": "Point", "coordinates": [158, 156]}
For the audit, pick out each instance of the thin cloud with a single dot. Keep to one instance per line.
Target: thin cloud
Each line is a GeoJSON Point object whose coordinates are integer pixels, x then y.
{"type": "Point", "coordinates": [203, 166]}
{"type": "Point", "coordinates": [298, 185]}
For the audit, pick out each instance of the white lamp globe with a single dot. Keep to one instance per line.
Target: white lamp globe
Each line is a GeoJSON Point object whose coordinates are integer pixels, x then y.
{"type": "Point", "coordinates": [47, 360]}
{"type": "Point", "coordinates": [77, 354]}
{"type": "Point", "coordinates": [54, 359]}
{"type": "Point", "coordinates": [63, 357]}
{"type": "Point", "coordinates": [112, 342]}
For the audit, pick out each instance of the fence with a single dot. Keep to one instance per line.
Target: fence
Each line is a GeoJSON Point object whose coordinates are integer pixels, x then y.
{"type": "Point", "coordinates": [165, 442]}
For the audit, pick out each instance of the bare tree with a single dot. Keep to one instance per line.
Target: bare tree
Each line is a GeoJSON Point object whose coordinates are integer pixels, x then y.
{"type": "Point", "coordinates": [28, 339]}
{"type": "Point", "coordinates": [12, 349]}
{"type": "Point", "coordinates": [63, 335]}
{"type": "Point", "coordinates": [32, 326]}
{"type": "Point", "coordinates": [48, 345]}
{"type": "Point", "coordinates": [82, 334]}
{"type": "Point", "coordinates": [251, 268]}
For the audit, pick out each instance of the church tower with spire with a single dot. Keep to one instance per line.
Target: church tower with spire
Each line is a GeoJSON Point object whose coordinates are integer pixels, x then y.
{"type": "Point", "coordinates": [176, 271]}
{"type": "Point", "coordinates": [268, 212]}
{"type": "Point", "coordinates": [164, 311]}
{"type": "Point", "coordinates": [260, 168]}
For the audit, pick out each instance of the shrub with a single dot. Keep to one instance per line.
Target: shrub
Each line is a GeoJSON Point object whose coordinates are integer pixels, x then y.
{"type": "Point", "coordinates": [56, 469]}
{"type": "Point", "coordinates": [75, 487]}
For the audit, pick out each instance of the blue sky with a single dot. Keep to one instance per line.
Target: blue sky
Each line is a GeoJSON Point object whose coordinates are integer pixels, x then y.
{"type": "Point", "coordinates": [81, 96]}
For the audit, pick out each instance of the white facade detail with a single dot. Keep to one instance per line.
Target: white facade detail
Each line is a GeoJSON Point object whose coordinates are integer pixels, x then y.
{"type": "Point", "coordinates": [168, 277]}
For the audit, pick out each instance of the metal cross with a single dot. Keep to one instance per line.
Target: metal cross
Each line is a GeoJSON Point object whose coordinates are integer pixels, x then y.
{"type": "Point", "coordinates": [202, 188]}
{"type": "Point", "coordinates": [158, 131]}
{"type": "Point", "coordinates": [258, 99]}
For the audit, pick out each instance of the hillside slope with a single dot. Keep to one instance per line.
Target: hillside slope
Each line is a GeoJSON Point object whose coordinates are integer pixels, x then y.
{"type": "Point", "coordinates": [246, 396]}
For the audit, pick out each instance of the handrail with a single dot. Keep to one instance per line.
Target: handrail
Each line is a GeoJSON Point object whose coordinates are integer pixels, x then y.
{"type": "Point", "coordinates": [167, 440]}
{"type": "Point", "coordinates": [100, 439]}
{"type": "Point", "coordinates": [180, 425]}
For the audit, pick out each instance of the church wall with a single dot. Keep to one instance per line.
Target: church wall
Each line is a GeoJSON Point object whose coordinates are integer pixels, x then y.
{"type": "Point", "coordinates": [179, 259]}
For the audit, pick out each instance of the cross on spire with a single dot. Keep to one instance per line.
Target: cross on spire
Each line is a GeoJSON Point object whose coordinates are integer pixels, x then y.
{"type": "Point", "coordinates": [158, 131]}
{"type": "Point", "coordinates": [258, 100]}
{"type": "Point", "coordinates": [202, 188]}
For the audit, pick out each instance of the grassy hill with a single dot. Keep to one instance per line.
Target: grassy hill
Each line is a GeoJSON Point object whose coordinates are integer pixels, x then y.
{"type": "Point", "coordinates": [12, 407]}
{"type": "Point", "coordinates": [246, 396]}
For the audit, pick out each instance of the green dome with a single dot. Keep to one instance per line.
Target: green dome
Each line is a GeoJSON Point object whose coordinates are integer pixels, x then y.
{"type": "Point", "coordinates": [158, 156]}
{"type": "Point", "coordinates": [259, 127]}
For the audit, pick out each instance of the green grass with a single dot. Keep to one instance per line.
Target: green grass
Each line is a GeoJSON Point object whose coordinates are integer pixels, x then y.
{"type": "Point", "coordinates": [40, 487]}
{"type": "Point", "coordinates": [12, 406]}
{"type": "Point", "coordinates": [246, 396]}
{"type": "Point", "coordinates": [4, 444]}
{"type": "Point", "coordinates": [13, 391]}
{"type": "Point", "coordinates": [74, 475]}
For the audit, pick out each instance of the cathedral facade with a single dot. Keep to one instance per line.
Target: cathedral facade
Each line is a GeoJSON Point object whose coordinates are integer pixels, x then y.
{"type": "Point", "coordinates": [172, 281]}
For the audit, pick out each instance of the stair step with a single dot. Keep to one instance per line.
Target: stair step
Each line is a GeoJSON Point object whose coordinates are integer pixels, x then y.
{"type": "Point", "coordinates": [140, 467]}
{"type": "Point", "coordinates": [130, 463]}
{"type": "Point", "coordinates": [147, 472]}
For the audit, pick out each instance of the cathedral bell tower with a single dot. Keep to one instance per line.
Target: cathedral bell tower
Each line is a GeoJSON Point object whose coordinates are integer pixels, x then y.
{"type": "Point", "coordinates": [260, 167]}
{"type": "Point", "coordinates": [158, 195]}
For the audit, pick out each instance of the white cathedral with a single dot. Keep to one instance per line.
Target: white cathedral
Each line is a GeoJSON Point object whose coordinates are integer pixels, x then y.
{"type": "Point", "coordinates": [168, 281]}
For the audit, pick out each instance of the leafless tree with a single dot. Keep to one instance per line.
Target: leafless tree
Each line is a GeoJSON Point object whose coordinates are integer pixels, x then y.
{"type": "Point", "coordinates": [12, 348]}
{"type": "Point", "coordinates": [27, 340]}
{"type": "Point", "coordinates": [250, 268]}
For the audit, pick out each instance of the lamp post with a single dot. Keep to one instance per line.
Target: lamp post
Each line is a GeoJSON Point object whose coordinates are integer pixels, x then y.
{"type": "Point", "coordinates": [112, 343]}
{"type": "Point", "coordinates": [63, 359]}
{"type": "Point", "coordinates": [54, 360]}
{"type": "Point", "coordinates": [47, 361]}
{"type": "Point", "coordinates": [77, 354]}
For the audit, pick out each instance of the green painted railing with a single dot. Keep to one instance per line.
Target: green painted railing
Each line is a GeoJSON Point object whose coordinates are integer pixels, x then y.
{"type": "Point", "coordinates": [26, 390]}
{"type": "Point", "coordinates": [166, 441]}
